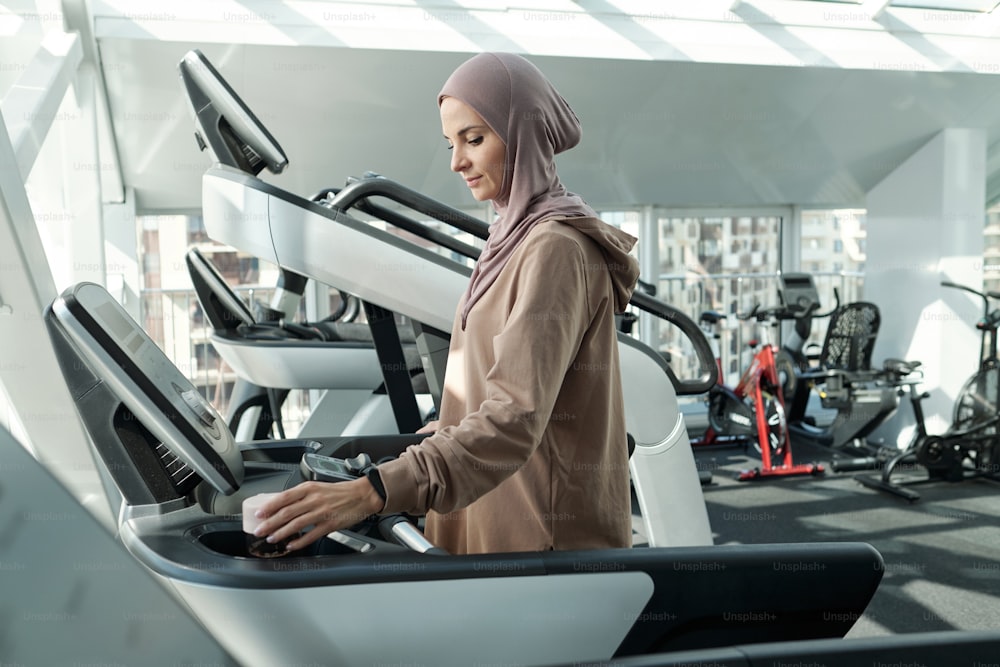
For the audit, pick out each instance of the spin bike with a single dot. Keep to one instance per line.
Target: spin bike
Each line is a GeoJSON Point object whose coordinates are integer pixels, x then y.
{"type": "Point", "coordinates": [753, 411]}
{"type": "Point", "coordinates": [970, 448]}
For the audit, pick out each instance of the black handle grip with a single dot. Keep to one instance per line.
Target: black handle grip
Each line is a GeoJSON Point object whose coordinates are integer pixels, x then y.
{"type": "Point", "coordinates": [706, 359]}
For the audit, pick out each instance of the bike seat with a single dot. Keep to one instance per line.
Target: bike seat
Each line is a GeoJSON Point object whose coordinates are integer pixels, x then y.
{"type": "Point", "coordinates": [900, 367]}
{"type": "Point", "coordinates": [711, 316]}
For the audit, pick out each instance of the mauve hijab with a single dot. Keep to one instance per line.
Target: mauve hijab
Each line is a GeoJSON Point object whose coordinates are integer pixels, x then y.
{"type": "Point", "coordinates": [535, 123]}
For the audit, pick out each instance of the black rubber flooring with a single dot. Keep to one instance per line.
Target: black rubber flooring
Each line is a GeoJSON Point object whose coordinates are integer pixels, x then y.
{"type": "Point", "coordinates": [942, 552]}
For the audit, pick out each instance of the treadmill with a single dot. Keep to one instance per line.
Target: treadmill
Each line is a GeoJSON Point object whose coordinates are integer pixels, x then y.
{"type": "Point", "coordinates": [368, 596]}
{"type": "Point", "coordinates": [273, 354]}
{"type": "Point", "coordinates": [328, 241]}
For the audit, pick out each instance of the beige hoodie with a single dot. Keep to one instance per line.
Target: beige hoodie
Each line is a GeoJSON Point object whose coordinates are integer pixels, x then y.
{"type": "Point", "coordinates": [531, 451]}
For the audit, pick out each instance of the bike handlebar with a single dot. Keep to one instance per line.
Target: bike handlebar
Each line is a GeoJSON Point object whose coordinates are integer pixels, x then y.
{"type": "Point", "coordinates": [989, 320]}
{"type": "Point", "coordinates": [965, 288]}
{"type": "Point", "coordinates": [782, 312]}
{"type": "Point", "coordinates": [802, 312]}
{"type": "Point", "coordinates": [836, 305]}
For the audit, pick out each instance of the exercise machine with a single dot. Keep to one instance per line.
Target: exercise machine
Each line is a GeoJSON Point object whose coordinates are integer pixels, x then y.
{"type": "Point", "coordinates": [271, 357]}
{"type": "Point", "coordinates": [970, 448]}
{"type": "Point", "coordinates": [946, 648]}
{"type": "Point", "coordinates": [63, 569]}
{"type": "Point", "coordinates": [183, 478]}
{"type": "Point", "coordinates": [841, 374]}
{"type": "Point", "coordinates": [753, 411]}
{"type": "Point", "coordinates": [720, 431]}
{"type": "Point", "coordinates": [329, 241]}
{"type": "Point", "coordinates": [237, 140]}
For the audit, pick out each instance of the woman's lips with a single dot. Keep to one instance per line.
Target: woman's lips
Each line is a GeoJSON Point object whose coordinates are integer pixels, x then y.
{"type": "Point", "coordinates": [472, 182]}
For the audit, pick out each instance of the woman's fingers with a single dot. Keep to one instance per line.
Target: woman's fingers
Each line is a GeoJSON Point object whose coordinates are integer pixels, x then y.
{"type": "Point", "coordinates": [313, 535]}
{"type": "Point", "coordinates": [279, 510]}
{"type": "Point", "coordinates": [429, 427]}
{"type": "Point", "coordinates": [325, 506]}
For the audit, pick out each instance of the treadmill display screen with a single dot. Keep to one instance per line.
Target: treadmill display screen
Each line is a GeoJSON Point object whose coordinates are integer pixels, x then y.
{"type": "Point", "coordinates": [145, 380]}
{"type": "Point", "coordinates": [229, 130]}
{"type": "Point", "coordinates": [118, 325]}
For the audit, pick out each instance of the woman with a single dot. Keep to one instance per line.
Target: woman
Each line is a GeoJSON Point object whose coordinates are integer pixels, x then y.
{"type": "Point", "coordinates": [530, 452]}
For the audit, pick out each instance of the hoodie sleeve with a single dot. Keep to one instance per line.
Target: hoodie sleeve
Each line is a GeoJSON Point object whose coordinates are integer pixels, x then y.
{"type": "Point", "coordinates": [548, 314]}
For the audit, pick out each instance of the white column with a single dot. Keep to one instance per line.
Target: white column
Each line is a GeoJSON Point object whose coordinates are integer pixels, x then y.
{"type": "Point", "coordinates": [791, 240]}
{"type": "Point", "coordinates": [81, 172]}
{"type": "Point", "coordinates": [649, 270]}
{"type": "Point", "coordinates": [121, 252]}
{"type": "Point", "coordinates": [925, 225]}
{"type": "Point", "coordinates": [791, 254]}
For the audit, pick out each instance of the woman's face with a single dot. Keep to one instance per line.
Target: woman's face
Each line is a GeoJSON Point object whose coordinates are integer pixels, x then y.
{"type": "Point", "coordinates": [477, 153]}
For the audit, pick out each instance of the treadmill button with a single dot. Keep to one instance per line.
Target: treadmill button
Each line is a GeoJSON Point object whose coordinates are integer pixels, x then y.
{"type": "Point", "coordinates": [195, 402]}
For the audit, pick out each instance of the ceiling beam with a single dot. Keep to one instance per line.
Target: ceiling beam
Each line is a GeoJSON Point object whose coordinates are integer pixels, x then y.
{"type": "Point", "coordinates": [874, 8]}
{"type": "Point", "coordinates": [758, 32]}
{"type": "Point", "coordinates": [31, 105]}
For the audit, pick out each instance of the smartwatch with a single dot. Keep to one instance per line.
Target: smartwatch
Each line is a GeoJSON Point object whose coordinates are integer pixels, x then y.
{"type": "Point", "coordinates": [376, 481]}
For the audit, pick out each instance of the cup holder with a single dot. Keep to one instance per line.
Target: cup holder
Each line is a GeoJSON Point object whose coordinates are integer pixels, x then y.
{"type": "Point", "coordinates": [229, 540]}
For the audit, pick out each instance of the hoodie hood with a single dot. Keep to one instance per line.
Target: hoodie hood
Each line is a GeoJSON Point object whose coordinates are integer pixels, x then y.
{"type": "Point", "coordinates": [622, 267]}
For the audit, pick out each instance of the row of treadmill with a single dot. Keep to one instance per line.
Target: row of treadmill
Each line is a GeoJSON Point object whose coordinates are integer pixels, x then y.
{"type": "Point", "coordinates": [177, 470]}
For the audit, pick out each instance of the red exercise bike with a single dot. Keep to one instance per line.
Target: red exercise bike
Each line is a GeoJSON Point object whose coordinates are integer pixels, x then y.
{"type": "Point", "coordinates": [754, 410]}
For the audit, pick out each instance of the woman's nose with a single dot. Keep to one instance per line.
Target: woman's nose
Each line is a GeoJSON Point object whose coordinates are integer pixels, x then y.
{"type": "Point", "coordinates": [458, 160]}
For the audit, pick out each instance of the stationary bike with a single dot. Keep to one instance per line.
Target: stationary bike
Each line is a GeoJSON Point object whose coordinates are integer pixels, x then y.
{"type": "Point", "coordinates": [970, 447]}
{"type": "Point", "coordinates": [753, 411]}
{"type": "Point", "coordinates": [841, 374]}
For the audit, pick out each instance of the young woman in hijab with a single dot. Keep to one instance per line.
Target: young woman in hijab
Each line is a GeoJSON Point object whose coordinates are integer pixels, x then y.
{"type": "Point", "coordinates": [530, 451]}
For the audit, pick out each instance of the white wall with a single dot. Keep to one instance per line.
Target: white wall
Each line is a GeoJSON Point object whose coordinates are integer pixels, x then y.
{"type": "Point", "coordinates": [925, 225]}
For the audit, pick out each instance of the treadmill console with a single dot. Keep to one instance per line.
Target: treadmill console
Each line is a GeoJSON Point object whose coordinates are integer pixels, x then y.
{"type": "Point", "coordinates": [222, 306]}
{"type": "Point", "coordinates": [226, 127]}
{"type": "Point", "coordinates": [117, 355]}
{"type": "Point", "coordinates": [321, 468]}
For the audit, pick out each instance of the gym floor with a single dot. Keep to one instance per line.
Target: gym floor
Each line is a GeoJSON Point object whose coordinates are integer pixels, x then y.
{"type": "Point", "coordinates": [942, 552]}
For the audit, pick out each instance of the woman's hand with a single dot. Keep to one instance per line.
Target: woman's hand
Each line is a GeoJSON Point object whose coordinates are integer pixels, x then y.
{"type": "Point", "coordinates": [327, 506]}
{"type": "Point", "coordinates": [429, 427]}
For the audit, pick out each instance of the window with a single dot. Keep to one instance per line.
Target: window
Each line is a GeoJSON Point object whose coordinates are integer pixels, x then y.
{"type": "Point", "coordinates": [723, 263]}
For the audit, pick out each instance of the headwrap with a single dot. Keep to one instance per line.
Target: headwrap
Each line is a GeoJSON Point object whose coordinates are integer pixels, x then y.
{"type": "Point", "coordinates": [535, 123]}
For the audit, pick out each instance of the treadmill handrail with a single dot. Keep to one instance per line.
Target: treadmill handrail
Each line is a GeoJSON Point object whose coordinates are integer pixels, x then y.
{"type": "Point", "coordinates": [407, 224]}
{"type": "Point", "coordinates": [703, 351]}
{"type": "Point", "coordinates": [357, 193]}
{"type": "Point", "coordinates": [325, 196]}
{"type": "Point", "coordinates": [354, 194]}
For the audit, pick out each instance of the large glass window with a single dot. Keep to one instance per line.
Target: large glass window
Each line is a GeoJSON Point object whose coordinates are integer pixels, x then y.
{"type": "Point", "coordinates": [833, 250]}
{"type": "Point", "coordinates": [991, 249]}
{"type": "Point", "coordinates": [169, 309]}
{"type": "Point", "coordinates": [724, 263]}
{"type": "Point", "coordinates": [729, 262]}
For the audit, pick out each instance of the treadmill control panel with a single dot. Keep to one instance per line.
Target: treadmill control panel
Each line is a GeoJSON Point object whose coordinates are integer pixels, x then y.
{"type": "Point", "coordinates": [141, 376]}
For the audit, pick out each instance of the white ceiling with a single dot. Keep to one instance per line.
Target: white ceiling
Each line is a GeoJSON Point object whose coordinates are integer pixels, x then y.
{"type": "Point", "coordinates": [669, 132]}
